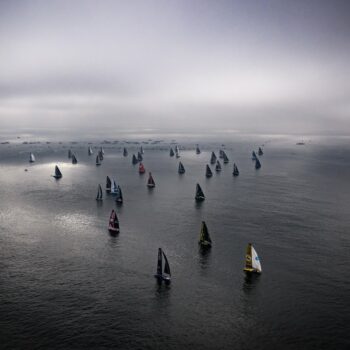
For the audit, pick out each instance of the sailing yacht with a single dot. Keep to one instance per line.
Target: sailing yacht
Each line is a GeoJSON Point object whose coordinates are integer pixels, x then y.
{"type": "Point", "coordinates": [226, 160]}
{"type": "Point", "coordinates": [252, 260]}
{"type": "Point", "coordinates": [113, 225]}
{"type": "Point", "coordinates": [139, 157]}
{"type": "Point", "coordinates": [254, 155]}
{"type": "Point", "coordinates": [100, 154]}
{"type": "Point", "coordinates": [257, 163]}
{"type": "Point", "coordinates": [114, 187]}
{"type": "Point", "coordinates": [69, 154]}
{"type": "Point", "coordinates": [142, 169]}
{"type": "Point", "coordinates": [58, 173]}
{"type": "Point", "coordinates": [218, 166]}
{"type": "Point", "coordinates": [125, 152]}
{"type": "Point", "coordinates": [141, 150]}
{"type": "Point", "coordinates": [212, 158]}
{"type": "Point", "coordinates": [204, 237]}
{"type": "Point", "coordinates": [260, 152]}
{"type": "Point", "coordinates": [108, 184]}
{"type": "Point", "coordinates": [31, 158]}
{"type": "Point", "coordinates": [99, 196]}
{"type": "Point", "coordinates": [198, 151]}
{"type": "Point", "coordinates": [221, 153]}
{"type": "Point", "coordinates": [163, 274]}
{"type": "Point", "coordinates": [171, 152]}
{"type": "Point", "coordinates": [90, 152]}
{"type": "Point", "coordinates": [235, 170]}
{"type": "Point", "coordinates": [150, 182]}
{"type": "Point", "coordinates": [119, 198]}
{"type": "Point", "coordinates": [199, 193]}
{"type": "Point", "coordinates": [74, 159]}
{"type": "Point", "coordinates": [181, 169]}
{"type": "Point", "coordinates": [208, 172]}
{"type": "Point", "coordinates": [134, 159]}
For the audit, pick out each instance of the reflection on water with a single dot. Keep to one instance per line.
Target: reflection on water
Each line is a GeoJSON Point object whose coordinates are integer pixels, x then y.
{"type": "Point", "coordinates": [204, 257]}
{"type": "Point", "coordinates": [251, 280]}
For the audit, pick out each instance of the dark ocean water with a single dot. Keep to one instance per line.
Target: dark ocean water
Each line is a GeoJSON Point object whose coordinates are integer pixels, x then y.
{"type": "Point", "coordinates": [66, 283]}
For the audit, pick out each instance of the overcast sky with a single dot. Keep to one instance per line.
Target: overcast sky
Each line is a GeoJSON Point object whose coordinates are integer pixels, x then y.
{"type": "Point", "coordinates": [257, 66]}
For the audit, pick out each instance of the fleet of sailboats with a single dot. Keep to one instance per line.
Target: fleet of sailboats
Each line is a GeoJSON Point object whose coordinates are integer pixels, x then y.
{"type": "Point", "coordinates": [163, 274]}
{"type": "Point", "coordinates": [252, 260]}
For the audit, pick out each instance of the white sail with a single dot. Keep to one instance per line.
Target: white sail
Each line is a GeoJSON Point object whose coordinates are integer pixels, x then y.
{"type": "Point", "coordinates": [114, 187]}
{"type": "Point", "coordinates": [255, 260]}
{"type": "Point", "coordinates": [32, 158]}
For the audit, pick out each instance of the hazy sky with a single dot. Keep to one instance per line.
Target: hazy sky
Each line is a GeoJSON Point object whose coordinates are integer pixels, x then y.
{"type": "Point", "coordinates": [266, 66]}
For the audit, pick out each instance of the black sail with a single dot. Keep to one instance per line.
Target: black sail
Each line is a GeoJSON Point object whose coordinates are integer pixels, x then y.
{"type": "Point", "coordinates": [159, 262]}
{"type": "Point", "coordinates": [171, 152]}
{"type": "Point", "coordinates": [134, 159]}
{"type": "Point", "coordinates": [218, 166]}
{"type": "Point", "coordinates": [257, 163]}
{"type": "Point", "coordinates": [208, 172]}
{"type": "Point", "coordinates": [181, 168]}
{"type": "Point", "coordinates": [213, 158]}
{"type": "Point", "coordinates": [125, 152]}
{"type": "Point", "coordinates": [58, 172]}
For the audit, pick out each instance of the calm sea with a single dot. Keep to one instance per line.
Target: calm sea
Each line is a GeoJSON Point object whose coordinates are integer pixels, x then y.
{"type": "Point", "coordinates": [66, 283]}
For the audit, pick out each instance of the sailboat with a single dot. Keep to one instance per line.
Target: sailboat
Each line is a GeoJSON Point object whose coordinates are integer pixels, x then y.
{"type": "Point", "coordinates": [141, 150]}
{"type": "Point", "coordinates": [204, 237]}
{"type": "Point", "coordinates": [226, 160]}
{"type": "Point", "coordinates": [172, 152]}
{"type": "Point", "coordinates": [69, 154]}
{"type": "Point", "coordinates": [221, 153]}
{"type": "Point", "coordinates": [58, 173]}
{"type": "Point", "coordinates": [99, 196]}
{"type": "Point", "coordinates": [260, 152]}
{"type": "Point", "coordinates": [113, 225]}
{"type": "Point", "coordinates": [125, 152]}
{"type": "Point", "coordinates": [102, 150]}
{"type": "Point", "coordinates": [74, 159]}
{"type": "Point", "coordinates": [98, 162]}
{"type": "Point", "coordinates": [254, 155]}
{"type": "Point", "coordinates": [150, 182]}
{"type": "Point", "coordinates": [141, 169]}
{"type": "Point", "coordinates": [139, 157]}
{"type": "Point", "coordinates": [198, 151]}
{"type": "Point", "coordinates": [108, 184]}
{"type": "Point", "coordinates": [235, 170]}
{"type": "Point", "coordinates": [134, 159]}
{"type": "Point", "coordinates": [252, 260]}
{"type": "Point", "coordinates": [31, 158]}
{"type": "Point", "coordinates": [208, 172]}
{"type": "Point", "coordinates": [199, 193]}
{"type": "Point", "coordinates": [257, 163]}
{"type": "Point", "coordinates": [119, 198]}
{"type": "Point", "coordinates": [114, 187]}
{"type": "Point", "coordinates": [177, 152]}
{"type": "Point", "coordinates": [213, 158]}
{"type": "Point", "coordinates": [218, 166]}
{"type": "Point", "coordinates": [163, 274]}
{"type": "Point", "coordinates": [181, 168]}
{"type": "Point", "coordinates": [100, 154]}
{"type": "Point", "coordinates": [90, 152]}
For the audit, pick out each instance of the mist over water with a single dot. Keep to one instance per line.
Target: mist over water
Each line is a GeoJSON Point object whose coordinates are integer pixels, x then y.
{"type": "Point", "coordinates": [66, 283]}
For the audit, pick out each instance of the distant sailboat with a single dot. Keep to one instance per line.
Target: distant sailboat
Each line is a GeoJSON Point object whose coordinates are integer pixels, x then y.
{"type": "Point", "coordinates": [113, 225]}
{"type": "Point", "coordinates": [226, 160]}
{"type": "Point", "coordinates": [254, 155]}
{"type": "Point", "coordinates": [125, 152]}
{"type": "Point", "coordinates": [257, 163]}
{"type": "Point", "coordinates": [108, 184]}
{"type": "Point", "coordinates": [141, 150]}
{"type": "Point", "coordinates": [74, 159]}
{"type": "Point", "coordinates": [199, 193]}
{"type": "Point", "coordinates": [212, 158]}
{"type": "Point", "coordinates": [235, 170]}
{"type": "Point", "coordinates": [102, 150]}
{"type": "Point", "coordinates": [119, 198]}
{"type": "Point", "coordinates": [198, 151]}
{"type": "Point", "coordinates": [171, 152]}
{"type": "Point", "coordinates": [134, 159]}
{"type": "Point", "coordinates": [181, 169]}
{"type": "Point", "coordinates": [99, 196]}
{"type": "Point", "coordinates": [177, 152]}
{"type": "Point", "coordinates": [98, 161]}
{"type": "Point", "coordinates": [204, 237]}
{"type": "Point", "coordinates": [150, 182]}
{"type": "Point", "coordinates": [218, 166]}
{"type": "Point", "coordinates": [221, 153]}
{"type": "Point", "coordinates": [163, 275]}
{"type": "Point", "coordinates": [252, 260]}
{"type": "Point", "coordinates": [100, 154]}
{"type": "Point", "coordinates": [208, 172]}
{"type": "Point", "coordinates": [139, 157]}
{"type": "Point", "coordinates": [90, 152]}
{"type": "Point", "coordinates": [69, 154]}
{"type": "Point", "coordinates": [142, 169]}
{"type": "Point", "coordinates": [58, 173]}
{"type": "Point", "coordinates": [260, 152]}
{"type": "Point", "coordinates": [31, 158]}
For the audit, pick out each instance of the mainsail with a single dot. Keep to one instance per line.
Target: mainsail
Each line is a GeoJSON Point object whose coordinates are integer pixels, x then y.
{"type": "Point", "coordinates": [199, 193]}
{"type": "Point", "coordinates": [204, 237]}
{"type": "Point", "coordinates": [208, 172]}
{"type": "Point", "coordinates": [181, 168]}
{"type": "Point", "coordinates": [162, 274]}
{"type": "Point", "coordinates": [212, 158]}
